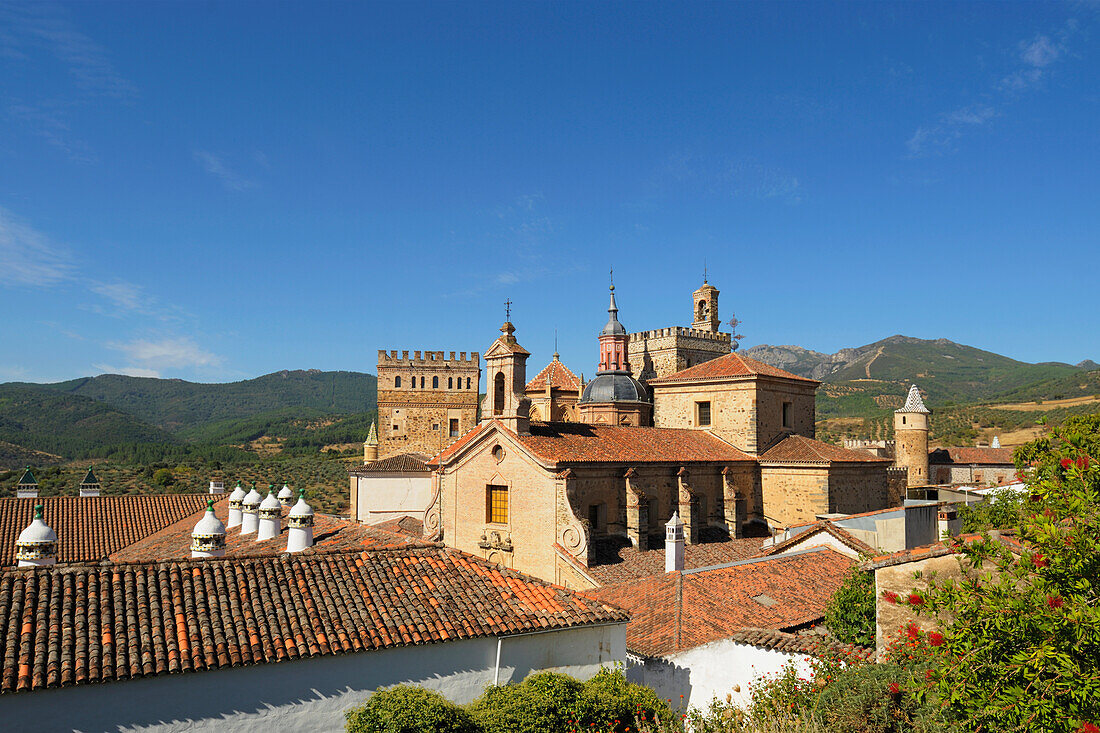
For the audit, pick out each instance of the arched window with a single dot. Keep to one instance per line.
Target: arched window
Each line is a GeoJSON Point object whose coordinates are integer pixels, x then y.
{"type": "Point", "coordinates": [422, 383]}
{"type": "Point", "coordinates": [467, 382]}
{"type": "Point", "coordinates": [412, 382]}
{"type": "Point", "coordinates": [702, 310]}
{"type": "Point", "coordinates": [498, 393]}
{"type": "Point", "coordinates": [435, 382]}
{"type": "Point", "coordinates": [450, 382]}
{"type": "Point", "coordinates": [397, 382]}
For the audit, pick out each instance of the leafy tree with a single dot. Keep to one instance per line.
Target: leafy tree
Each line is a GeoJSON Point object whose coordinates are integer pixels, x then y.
{"type": "Point", "coordinates": [850, 614]}
{"type": "Point", "coordinates": [409, 709]}
{"type": "Point", "coordinates": [163, 477]}
{"type": "Point", "coordinates": [1003, 510]}
{"type": "Point", "coordinates": [1018, 648]}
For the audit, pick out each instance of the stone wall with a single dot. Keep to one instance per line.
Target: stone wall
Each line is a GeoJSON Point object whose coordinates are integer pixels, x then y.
{"type": "Point", "coordinates": [855, 488]}
{"type": "Point", "coordinates": [794, 494]}
{"type": "Point", "coordinates": [747, 413]}
{"type": "Point", "coordinates": [975, 475]}
{"type": "Point", "coordinates": [911, 446]}
{"type": "Point", "coordinates": [665, 351]}
{"type": "Point", "coordinates": [416, 419]}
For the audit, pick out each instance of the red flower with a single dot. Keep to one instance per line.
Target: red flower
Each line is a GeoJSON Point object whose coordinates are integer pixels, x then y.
{"type": "Point", "coordinates": [1083, 463]}
{"type": "Point", "coordinates": [1035, 498]}
{"type": "Point", "coordinates": [1066, 462]}
{"type": "Point", "coordinates": [935, 638]}
{"type": "Point", "coordinates": [927, 674]}
{"type": "Point", "coordinates": [1088, 728]}
{"type": "Point", "coordinates": [912, 631]}
{"type": "Point", "coordinates": [891, 596]}
{"type": "Point", "coordinates": [895, 688]}
{"type": "Point", "coordinates": [1039, 561]}
{"type": "Point", "coordinates": [915, 600]}
{"type": "Point", "coordinates": [1054, 601]}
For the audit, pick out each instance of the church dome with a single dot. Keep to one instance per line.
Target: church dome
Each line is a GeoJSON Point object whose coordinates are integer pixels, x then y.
{"type": "Point", "coordinates": [614, 387]}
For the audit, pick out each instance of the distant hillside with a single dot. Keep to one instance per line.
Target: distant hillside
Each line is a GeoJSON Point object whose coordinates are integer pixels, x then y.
{"type": "Point", "coordinates": [179, 406]}
{"type": "Point", "coordinates": [944, 370]}
{"type": "Point", "coordinates": [34, 418]}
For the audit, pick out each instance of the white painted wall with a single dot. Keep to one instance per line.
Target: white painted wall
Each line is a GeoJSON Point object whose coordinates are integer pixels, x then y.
{"type": "Point", "coordinates": [309, 694]}
{"type": "Point", "coordinates": [821, 539]}
{"type": "Point", "coordinates": [392, 495]}
{"type": "Point", "coordinates": [711, 670]}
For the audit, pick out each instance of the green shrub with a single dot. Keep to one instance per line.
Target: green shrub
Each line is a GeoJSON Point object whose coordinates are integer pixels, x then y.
{"type": "Point", "coordinates": [409, 709]}
{"type": "Point", "coordinates": [850, 614]}
{"type": "Point", "coordinates": [545, 702]}
{"type": "Point", "coordinates": [610, 703]}
{"type": "Point", "coordinates": [860, 700]}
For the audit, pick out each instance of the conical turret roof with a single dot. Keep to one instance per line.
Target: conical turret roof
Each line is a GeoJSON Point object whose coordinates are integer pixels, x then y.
{"type": "Point", "coordinates": [613, 327]}
{"type": "Point", "coordinates": [28, 478]}
{"type": "Point", "coordinates": [914, 403]}
{"type": "Point", "coordinates": [89, 478]}
{"type": "Point", "coordinates": [372, 436]}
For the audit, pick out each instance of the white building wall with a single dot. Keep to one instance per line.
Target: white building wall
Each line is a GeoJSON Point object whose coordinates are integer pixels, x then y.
{"type": "Point", "coordinates": [389, 496]}
{"type": "Point", "coordinates": [712, 670]}
{"type": "Point", "coordinates": [309, 694]}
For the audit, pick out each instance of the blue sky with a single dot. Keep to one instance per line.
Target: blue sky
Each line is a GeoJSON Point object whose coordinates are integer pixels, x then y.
{"type": "Point", "coordinates": [214, 191]}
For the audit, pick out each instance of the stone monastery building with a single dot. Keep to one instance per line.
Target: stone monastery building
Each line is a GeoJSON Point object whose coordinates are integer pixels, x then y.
{"type": "Point", "coordinates": [673, 422]}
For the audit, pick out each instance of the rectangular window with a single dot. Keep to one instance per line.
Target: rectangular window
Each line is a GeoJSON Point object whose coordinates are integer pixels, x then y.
{"type": "Point", "coordinates": [496, 504]}
{"type": "Point", "coordinates": [702, 413]}
{"type": "Point", "coordinates": [786, 414]}
{"type": "Point", "coordinates": [435, 426]}
{"type": "Point", "coordinates": [454, 427]}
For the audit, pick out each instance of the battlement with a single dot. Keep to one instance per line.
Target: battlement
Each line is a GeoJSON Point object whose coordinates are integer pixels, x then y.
{"type": "Point", "coordinates": [682, 331]}
{"type": "Point", "coordinates": [427, 359]}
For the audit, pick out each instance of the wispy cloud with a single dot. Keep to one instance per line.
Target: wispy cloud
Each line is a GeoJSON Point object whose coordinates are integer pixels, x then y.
{"type": "Point", "coordinates": [1032, 63]}
{"type": "Point", "coordinates": [217, 167]}
{"type": "Point", "coordinates": [746, 177]}
{"type": "Point", "coordinates": [28, 258]}
{"type": "Point", "coordinates": [168, 353]}
{"type": "Point", "coordinates": [31, 27]}
{"type": "Point", "coordinates": [129, 371]}
{"type": "Point", "coordinates": [50, 122]}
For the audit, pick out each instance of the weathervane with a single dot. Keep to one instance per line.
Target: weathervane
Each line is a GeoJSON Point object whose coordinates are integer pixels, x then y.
{"type": "Point", "coordinates": [612, 278]}
{"type": "Point", "coordinates": [508, 310]}
{"type": "Point", "coordinates": [704, 270]}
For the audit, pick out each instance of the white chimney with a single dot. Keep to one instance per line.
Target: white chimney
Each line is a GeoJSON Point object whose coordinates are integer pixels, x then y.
{"type": "Point", "coordinates": [674, 544]}
{"type": "Point", "coordinates": [37, 544]}
{"type": "Point", "coordinates": [217, 487]}
{"type": "Point", "coordinates": [996, 441]}
{"type": "Point", "coordinates": [89, 487]}
{"type": "Point", "coordinates": [271, 516]}
{"type": "Point", "coordinates": [286, 496]}
{"type": "Point", "coordinates": [235, 499]}
{"type": "Point", "coordinates": [250, 511]}
{"type": "Point", "coordinates": [27, 488]}
{"type": "Point", "coordinates": [299, 534]}
{"type": "Point", "coordinates": [208, 537]}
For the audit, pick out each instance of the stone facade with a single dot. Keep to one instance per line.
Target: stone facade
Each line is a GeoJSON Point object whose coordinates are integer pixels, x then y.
{"type": "Point", "coordinates": [425, 401]}
{"type": "Point", "coordinates": [911, 446]}
{"type": "Point", "coordinates": [796, 494]}
{"type": "Point", "coordinates": [747, 412]}
{"type": "Point", "coordinates": [665, 351]}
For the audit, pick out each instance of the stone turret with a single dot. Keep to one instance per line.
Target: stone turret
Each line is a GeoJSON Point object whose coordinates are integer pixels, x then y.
{"type": "Point", "coordinates": [37, 544]}
{"type": "Point", "coordinates": [911, 438]}
{"type": "Point", "coordinates": [27, 488]}
{"type": "Point", "coordinates": [299, 533]}
{"type": "Point", "coordinates": [208, 537]}
{"type": "Point", "coordinates": [370, 446]}
{"type": "Point", "coordinates": [286, 496]}
{"type": "Point", "coordinates": [271, 514]}
{"type": "Point", "coordinates": [705, 307]}
{"type": "Point", "coordinates": [506, 376]}
{"type": "Point", "coordinates": [235, 499]}
{"type": "Point", "coordinates": [250, 511]}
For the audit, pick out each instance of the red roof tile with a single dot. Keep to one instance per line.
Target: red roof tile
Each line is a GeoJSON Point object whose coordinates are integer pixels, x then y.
{"type": "Point", "coordinates": [580, 443]}
{"type": "Point", "coordinates": [555, 375]}
{"type": "Point", "coordinates": [401, 463]}
{"type": "Point", "coordinates": [125, 621]}
{"type": "Point", "coordinates": [402, 525]}
{"type": "Point", "coordinates": [676, 611]}
{"type": "Point", "coordinates": [822, 527]}
{"type": "Point", "coordinates": [611, 561]}
{"type": "Point", "coordinates": [91, 528]}
{"type": "Point", "coordinates": [805, 643]}
{"type": "Point", "coordinates": [944, 547]}
{"type": "Point", "coordinates": [329, 533]}
{"type": "Point", "coordinates": [982, 455]}
{"type": "Point", "coordinates": [730, 365]}
{"type": "Point", "coordinates": [800, 449]}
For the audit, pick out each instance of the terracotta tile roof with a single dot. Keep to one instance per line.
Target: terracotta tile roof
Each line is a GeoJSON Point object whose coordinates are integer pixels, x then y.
{"type": "Point", "coordinates": [800, 449]}
{"type": "Point", "coordinates": [822, 527]}
{"type": "Point", "coordinates": [579, 443]}
{"type": "Point", "coordinates": [410, 526]}
{"type": "Point", "coordinates": [982, 455]}
{"type": "Point", "coordinates": [614, 560]}
{"type": "Point", "coordinates": [730, 365]}
{"type": "Point", "coordinates": [460, 443]}
{"type": "Point", "coordinates": [676, 611]}
{"type": "Point", "coordinates": [401, 463]}
{"type": "Point", "coordinates": [944, 547]}
{"type": "Point", "coordinates": [809, 643]}
{"type": "Point", "coordinates": [91, 528]}
{"type": "Point", "coordinates": [71, 625]}
{"type": "Point", "coordinates": [329, 533]}
{"type": "Point", "coordinates": [555, 375]}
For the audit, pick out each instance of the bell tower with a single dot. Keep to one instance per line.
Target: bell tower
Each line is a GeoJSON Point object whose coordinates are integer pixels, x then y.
{"type": "Point", "coordinates": [704, 303]}
{"type": "Point", "coordinates": [506, 375]}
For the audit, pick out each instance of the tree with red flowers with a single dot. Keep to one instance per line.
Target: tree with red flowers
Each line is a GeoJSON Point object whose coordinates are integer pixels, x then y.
{"type": "Point", "coordinates": [1018, 644]}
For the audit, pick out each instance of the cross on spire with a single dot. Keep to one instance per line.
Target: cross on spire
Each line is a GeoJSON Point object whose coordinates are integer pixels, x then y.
{"type": "Point", "coordinates": [704, 270]}
{"type": "Point", "coordinates": [508, 310]}
{"type": "Point", "coordinates": [613, 278]}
